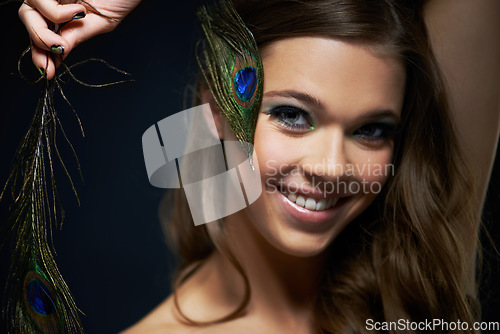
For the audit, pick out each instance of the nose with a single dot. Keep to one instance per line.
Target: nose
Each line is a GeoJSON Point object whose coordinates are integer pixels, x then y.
{"type": "Point", "coordinates": [325, 158]}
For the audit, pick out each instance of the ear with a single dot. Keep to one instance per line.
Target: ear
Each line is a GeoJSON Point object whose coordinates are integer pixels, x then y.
{"type": "Point", "coordinates": [207, 97]}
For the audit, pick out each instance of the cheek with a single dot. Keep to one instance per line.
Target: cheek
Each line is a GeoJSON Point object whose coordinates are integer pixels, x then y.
{"type": "Point", "coordinates": [272, 149]}
{"type": "Point", "coordinates": [373, 167]}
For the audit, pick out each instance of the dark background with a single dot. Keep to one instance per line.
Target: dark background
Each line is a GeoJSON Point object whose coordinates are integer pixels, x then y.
{"type": "Point", "coordinates": [111, 250]}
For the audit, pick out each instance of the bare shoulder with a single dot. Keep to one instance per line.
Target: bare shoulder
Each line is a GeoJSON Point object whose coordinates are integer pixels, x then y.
{"type": "Point", "coordinates": [200, 297]}
{"type": "Point", "coordinates": [160, 320]}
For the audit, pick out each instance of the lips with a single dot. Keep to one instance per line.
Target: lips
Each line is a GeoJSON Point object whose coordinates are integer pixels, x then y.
{"type": "Point", "coordinates": [309, 207]}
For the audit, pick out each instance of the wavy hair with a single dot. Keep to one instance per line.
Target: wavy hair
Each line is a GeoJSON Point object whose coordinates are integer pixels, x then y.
{"type": "Point", "coordinates": [412, 253]}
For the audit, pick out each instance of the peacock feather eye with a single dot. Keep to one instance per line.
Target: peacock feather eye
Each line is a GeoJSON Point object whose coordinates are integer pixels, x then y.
{"type": "Point", "coordinates": [245, 82]}
{"type": "Point", "coordinates": [40, 303]}
{"type": "Point", "coordinates": [245, 88]}
{"type": "Point", "coordinates": [39, 297]}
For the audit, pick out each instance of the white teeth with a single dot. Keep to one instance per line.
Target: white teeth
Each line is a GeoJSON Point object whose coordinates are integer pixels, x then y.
{"type": "Point", "coordinates": [322, 205]}
{"type": "Point", "coordinates": [311, 203]}
{"type": "Point", "coordinates": [300, 201]}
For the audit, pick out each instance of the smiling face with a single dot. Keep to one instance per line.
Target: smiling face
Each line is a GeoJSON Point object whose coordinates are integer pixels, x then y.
{"type": "Point", "coordinates": [324, 138]}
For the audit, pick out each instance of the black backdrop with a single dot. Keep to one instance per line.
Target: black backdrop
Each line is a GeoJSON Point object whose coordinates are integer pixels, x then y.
{"type": "Point", "coordinates": [111, 250]}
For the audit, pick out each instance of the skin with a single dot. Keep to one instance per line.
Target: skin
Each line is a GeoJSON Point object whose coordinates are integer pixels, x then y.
{"type": "Point", "coordinates": [464, 37]}
{"type": "Point", "coordinates": [283, 256]}
{"type": "Point", "coordinates": [36, 13]}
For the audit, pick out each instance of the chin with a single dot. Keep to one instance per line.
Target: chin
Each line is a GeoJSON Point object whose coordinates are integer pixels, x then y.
{"type": "Point", "coordinates": [303, 246]}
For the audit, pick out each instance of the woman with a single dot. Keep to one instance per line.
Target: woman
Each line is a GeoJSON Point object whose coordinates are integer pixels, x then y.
{"type": "Point", "coordinates": [356, 87]}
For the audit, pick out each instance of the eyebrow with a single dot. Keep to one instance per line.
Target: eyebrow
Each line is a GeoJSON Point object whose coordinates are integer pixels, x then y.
{"type": "Point", "coordinates": [381, 113]}
{"type": "Point", "coordinates": [311, 100]}
{"type": "Point", "coordinates": [303, 97]}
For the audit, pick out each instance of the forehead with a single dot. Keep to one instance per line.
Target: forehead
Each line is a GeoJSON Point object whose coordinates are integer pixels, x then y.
{"type": "Point", "coordinates": [343, 75]}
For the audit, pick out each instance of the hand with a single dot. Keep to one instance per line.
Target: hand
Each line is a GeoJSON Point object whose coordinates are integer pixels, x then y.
{"type": "Point", "coordinates": [82, 23]}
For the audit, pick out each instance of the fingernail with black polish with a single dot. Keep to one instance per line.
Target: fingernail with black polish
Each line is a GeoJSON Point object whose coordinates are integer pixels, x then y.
{"type": "Point", "coordinates": [57, 49]}
{"type": "Point", "coordinates": [79, 15]}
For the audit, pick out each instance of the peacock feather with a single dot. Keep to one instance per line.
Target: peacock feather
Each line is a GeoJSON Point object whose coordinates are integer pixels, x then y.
{"type": "Point", "coordinates": [231, 65]}
{"type": "Point", "coordinates": [38, 299]}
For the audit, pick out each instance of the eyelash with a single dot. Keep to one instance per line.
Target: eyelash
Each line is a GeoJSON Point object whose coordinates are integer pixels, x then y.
{"type": "Point", "coordinates": [387, 131]}
{"type": "Point", "coordinates": [278, 113]}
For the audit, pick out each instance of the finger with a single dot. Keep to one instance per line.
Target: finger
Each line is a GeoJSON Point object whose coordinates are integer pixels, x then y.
{"type": "Point", "coordinates": [39, 32]}
{"type": "Point", "coordinates": [76, 32]}
{"type": "Point", "coordinates": [57, 13]}
{"type": "Point", "coordinates": [41, 61]}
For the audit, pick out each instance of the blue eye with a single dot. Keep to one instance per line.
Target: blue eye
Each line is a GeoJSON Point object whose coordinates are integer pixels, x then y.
{"type": "Point", "coordinates": [375, 131]}
{"type": "Point", "coordinates": [292, 118]}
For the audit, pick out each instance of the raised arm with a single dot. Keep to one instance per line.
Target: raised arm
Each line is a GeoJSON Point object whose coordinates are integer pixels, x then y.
{"type": "Point", "coordinates": [80, 23]}
{"type": "Point", "coordinates": [465, 36]}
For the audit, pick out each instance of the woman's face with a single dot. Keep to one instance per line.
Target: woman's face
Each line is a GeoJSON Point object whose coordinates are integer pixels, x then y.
{"type": "Point", "coordinates": [324, 138]}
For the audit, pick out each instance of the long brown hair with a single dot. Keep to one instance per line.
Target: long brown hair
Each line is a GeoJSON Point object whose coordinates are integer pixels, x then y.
{"type": "Point", "coordinates": [411, 254]}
